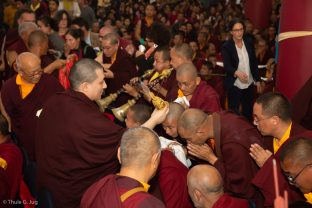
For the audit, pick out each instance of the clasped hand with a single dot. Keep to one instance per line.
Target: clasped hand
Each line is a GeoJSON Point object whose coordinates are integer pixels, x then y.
{"type": "Point", "coordinates": [259, 154]}
{"type": "Point", "coordinates": [203, 152]}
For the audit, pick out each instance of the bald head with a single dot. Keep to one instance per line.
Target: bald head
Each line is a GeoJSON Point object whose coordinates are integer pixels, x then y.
{"type": "Point", "coordinates": [29, 67]}
{"type": "Point", "coordinates": [27, 60]}
{"type": "Point", "coordinates": [206, 179]}
{"type": "Point", "coordinates": [184, 50]}
{"type": "Point", "coordinates": [170, 124]}
{"type": "Point", "coordinates": [175, 111]}
{"type": "Point", "coordinates": [36, 38]}
{"type": "Point", "coordinates": [107, 29]}
{"type": "Point", "coordinates": [181, 54]}
{"type": "Point", "coordinates": [298, 151]}
{"type": "Point", "coordinates": [137, 147]}
{"type": "Point", "coordinates": [191, 119]}
{"type": "Point", "coordinates": [187, 69]}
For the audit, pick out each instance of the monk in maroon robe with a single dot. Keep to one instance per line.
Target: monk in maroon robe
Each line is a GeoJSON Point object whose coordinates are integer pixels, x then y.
{"type": "Point", "coordinates": [139, 155]}
{"type": "Point", "coordinates": [205, 186]}
{"type": "Point", "coordinates": [197, 92]}
{"type": "Point", "coordinates": [264, 178]}
{"type": "Point", "coordinates": [166, 87]}
{"type": "Point", "coordinates": [172, 181]}
{"type": "Point", "coordinates": [23, 108]}
{"type": "Point", "coordinates": [228, 151]}
{"type": "Point", "coordinates": [272, 116]}
{"type": "Point", "coordinates": [76, 144]}
{"type": "Point", "coordinates": [119, 67]}
{"type": "Point", "coordinates": [230, 202]}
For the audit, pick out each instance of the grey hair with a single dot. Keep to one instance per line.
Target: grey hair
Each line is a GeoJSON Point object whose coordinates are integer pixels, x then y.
{"type": "Point", "coordinates": [25, 26]}
{"type": "Point", "coordinates": [112, 37]}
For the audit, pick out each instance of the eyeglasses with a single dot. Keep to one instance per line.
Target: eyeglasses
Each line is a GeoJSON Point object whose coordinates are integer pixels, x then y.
{"type": "Point", "coordinates": [292, 179]}
{"type": "Point", "coordinates": [256, 121]}
{"type": "Point", "coordinates": [32, 74]}
{"type": "Point", "coordinates": [238, 30]}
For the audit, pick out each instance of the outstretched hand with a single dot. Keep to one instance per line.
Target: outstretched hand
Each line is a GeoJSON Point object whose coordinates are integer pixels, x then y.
{"type": "Point", "coordinates": [259, 154]}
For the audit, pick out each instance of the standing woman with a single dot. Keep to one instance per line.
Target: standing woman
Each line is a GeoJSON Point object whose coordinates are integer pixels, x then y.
{"type": "Point", "coordinates": [241, 68]}
{"type": "Point", "coordinates": [76, 45]}
{"type": "Point", "coordinates": [62, 22]}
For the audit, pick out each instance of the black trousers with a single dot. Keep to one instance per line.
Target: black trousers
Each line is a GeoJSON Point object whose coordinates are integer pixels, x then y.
{"type": "Point", "coordinates": [245, 97]}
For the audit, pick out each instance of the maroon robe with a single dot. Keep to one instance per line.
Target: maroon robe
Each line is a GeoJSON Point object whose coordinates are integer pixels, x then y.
{"type": "Point", "coordinates": [5, 188]}
{"type": "Point", "coordinates": [172, 179]}
{"type": "Point", "coordinates": [124, 69]}
{"type": "Point", "coordinates": [19, 46]}
{"type": "Point", "coordinates": [76, 145]}
{"type": "Point", "coordinates": [205, 98]}
{"type": "Point", "coordinates": [22, 112]}
{"type": "Point", "coordinates": [106, 194]}
{"type": "Point", "coordinates": [264, 179]}
{"type": "Point", "coordinates": [171, 85]}
{"type": "Point", "coordinates": [13, 172]}
{"type": "Point", "coordinates": [230, 202]}
{"type": "Point", "coordinates": [233, 137]}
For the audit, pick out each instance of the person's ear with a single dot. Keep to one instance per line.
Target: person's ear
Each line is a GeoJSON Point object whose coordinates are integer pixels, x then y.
{"type": "Point", "coordinates": [118, 154]}
{"type": "Point", "coordinates": [84, 87]}
{"type": "Point", "coordinates": [155, 160]}
{"type": "Point", "coordinates": [275, 120]}
{"type": "Point", "coordinates": [198, 79]}
{"type": "Point", "coordinates": [197, 195]}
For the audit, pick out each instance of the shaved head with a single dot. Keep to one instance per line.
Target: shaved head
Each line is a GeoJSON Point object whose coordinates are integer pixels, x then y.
{"type": "Point", "coordinates": [205, 185]}
{"type": "Point", "coordinates": [170, 124]}
{"type": "Point", "coordinates": [138, 145]}
{"type": "Point", "coordinates": [26, 61]}
{"type": "Point", "coordinates": [175, 111]}
{"type": "Point", "coordinates": [205, 178]}
{"type": "Point", "coordinates": [187, 69]}
{"type": "Point", "coordinates": [181, 54]}
{"type": "Point", "coordinates": [29, 67]}
{"type": "Point", "coordinates": [37, 37]}
{"type": "Point", "coordinates": [298, 151]}
{"type": "Point", "coordinates": [191, 119]}
{"type": "Point", "coordinates": [184, 50]}
{"type": "Point", "coordinates": [107, 29]}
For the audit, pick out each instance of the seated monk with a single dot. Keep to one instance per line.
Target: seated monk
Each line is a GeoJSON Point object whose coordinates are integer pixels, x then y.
{"type": "Point", "coordinates": [222, 140]}
{"type": "Point", "coordinates": [195, 93]}
{"type": "Point", "coordinates": [205, 186]}
{"type": "Point", "coordinates": [162, 87]}
{"type": "Point", "coordinates": [139, 156]}
{"type": "Point", "coordinates": [119, 67]}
